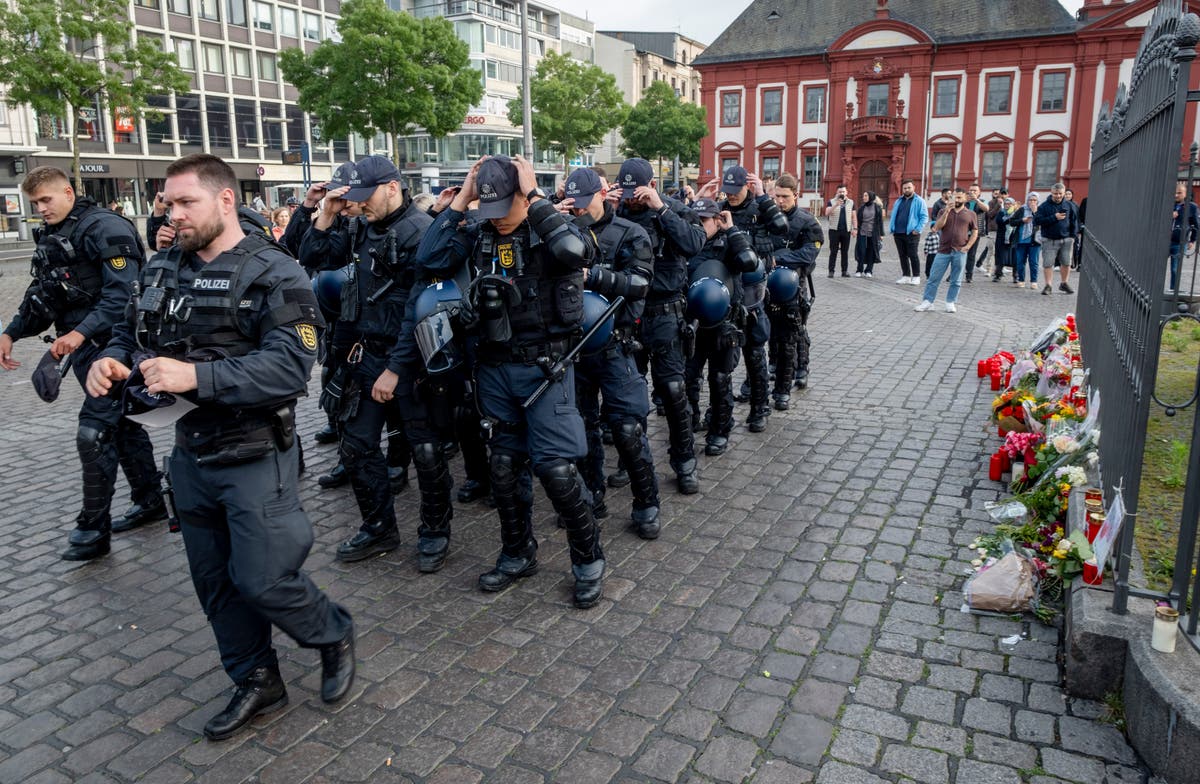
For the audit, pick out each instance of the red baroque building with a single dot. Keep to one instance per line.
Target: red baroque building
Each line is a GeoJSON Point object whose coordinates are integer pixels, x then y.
{"type": "Point", "coordinates": [999, 92]}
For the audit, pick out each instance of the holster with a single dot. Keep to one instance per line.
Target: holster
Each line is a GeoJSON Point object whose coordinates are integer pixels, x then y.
{"type": "Point", "coordinates": [283, 425]}
{"type": "Point", "coordinates": [687, 337]}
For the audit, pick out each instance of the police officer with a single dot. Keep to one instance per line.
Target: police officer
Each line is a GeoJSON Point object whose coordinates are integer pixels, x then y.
{"type": "Point", "coordinates": [676, 236]}
{"type": "Point", "coordinates": [726, 256]}
{"type": "Point", "coordinates": [525, 303]}
{"type": "Point", "coordinates": [789, 315]}
{"type": "Point", "coordinates": [228, 322]}
{"type": "Point", "coordinates": [755, 214]}
{"type": "Point", "coordinates": [624, 267]}
{"type": "Point", "coordinates": [375, 300]}
{"type": "Point", "coordinates": [86, 262]}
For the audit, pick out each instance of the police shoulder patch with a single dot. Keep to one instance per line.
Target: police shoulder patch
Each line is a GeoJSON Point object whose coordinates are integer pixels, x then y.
{"type": "Point", "coordinates": [506, 256]}
{"type": "Point", "coordinates": [117, 262]}
{"type": "Point", "coordinates": [308, 336]}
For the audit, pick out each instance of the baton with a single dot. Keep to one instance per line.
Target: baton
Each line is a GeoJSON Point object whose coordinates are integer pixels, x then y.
{"type": "Point", "coordinates": [559, 369]}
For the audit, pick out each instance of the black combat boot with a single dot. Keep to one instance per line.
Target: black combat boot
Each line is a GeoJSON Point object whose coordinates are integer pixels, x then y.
{"type": "Point", "coordinates": [138, 515]}
{"type": "Point", "coordinates": [589, 583]}
{"type": "Point", "coordinates": [86, 545]}
{"type": "Point", "coordinates": [337, 667]}
{"type": "Point", "coordinates": [261, 693]}
{"type": "Point", "coordinates": [373, 538]}
{"type": "Point", "coordinates": [335, 478]}
{"type": "Point", "coordinates": [433, 478]}
{"type": "Point", "coordinates": [509, 569]}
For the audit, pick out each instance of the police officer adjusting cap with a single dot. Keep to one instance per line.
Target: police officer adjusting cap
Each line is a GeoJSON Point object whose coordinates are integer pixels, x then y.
{"type": "Point", "coordinates": [368, 174]}
{"type": "Point", "coordinates": [594, 306]}
{"type": "Point", "coordinates": [581, 186]}
{"type": "Point", "coordinates": [706, 208]}
{"type": "Point", "coordinates": [292, 201]}
{"type": "Point", "coordinates": [434, 313]}
{"type": "Point", "coordinates": [708, 301]}
{"type": "Point", "coordinates": [341, 176]}
{"type": "Point", "coordinates": [327, 285]}
{"type": "Point", "coordinates": [734, 180]}
{"type": "Point", "coordinates": [784, 284]}
{"type": "Point", "coordinates": [634, 173]}
{"type": "Point", "coordinates": [496, 182]}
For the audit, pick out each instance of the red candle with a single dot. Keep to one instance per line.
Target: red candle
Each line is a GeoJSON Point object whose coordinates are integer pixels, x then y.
{"type": "Point", "coordinates": [981, 368]}
{"type": "Point", "coordinates": [1007, 378]}
{"type": "Point", "coordinates": [995, 380]}
{"type": "Point", "coordinates": [1092, 574]}
{"type": "Point", "coordinates": [994, 471]}
{"type": "Point", "coordinates": [1005, 461]}
{"type": "Point", "coordinates": [1000, 431]}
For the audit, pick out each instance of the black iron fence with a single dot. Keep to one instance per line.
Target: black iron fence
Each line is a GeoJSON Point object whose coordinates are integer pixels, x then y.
{"type": "Point", "coordinates": [1123, 300]}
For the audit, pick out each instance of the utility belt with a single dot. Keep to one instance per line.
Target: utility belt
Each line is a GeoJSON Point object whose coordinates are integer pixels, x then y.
{"type": "Point", "coordinates": [377, 346]}
{"type": "Point", "coordinates": [674, 307]}
{"type": "Point", "coordinates": [241, 441]}
{"type": "Point", "coordinates": [525, 354]}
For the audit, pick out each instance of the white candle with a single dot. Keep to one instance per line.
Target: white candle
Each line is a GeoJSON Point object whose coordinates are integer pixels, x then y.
{"type": "Point", "coordinates": [1166, 624]}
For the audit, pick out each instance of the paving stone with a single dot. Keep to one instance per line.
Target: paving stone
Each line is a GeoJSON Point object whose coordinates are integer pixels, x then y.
{"type": "Point", "coordinates": [728, 759]}
{"type": "Point", "coordinates": [1095, 740]}
{"type": "Point", "coordinates": [989, 748]}
{"type": "Point", "coordinates": [877, 692]}
{"type": "Point", "coordinates": [875, 722]}
{"type": "Point", "coordinates": [840, 773]}
{"type": "Point", "coordinates": [691, 723]}
{"type": "Point", "coordinates": [951, 740]}
{"type": "Point", "coordinates": [664, 759]}
{"type": "Point", "coordinates": [891, 666]}
{"type": "Point", "coordinates": [919, 764]}
{"type": "Point", "coordinates": [986, 773]}
{"type": "Point", "coordinates": [753, 714]}
{"type": "Point", "coordinates": [802, 739]}
{"type": "Point", "coordinates": [819, 698]}
{"type": "Point", "coordinates": [1072, 767]}
{"type": "Point", "coordinates": [988, 716]}
{"type": "Point", "coordinates": [926, 703]}
{"type": "Point", "coordinates": [952, 678]}
{"type": "Point", "coordinates": [621, 735]}
{"type": "Point", "coordinates": [780, 772]}
{"type": "Point", "coordinates": [855, 747]}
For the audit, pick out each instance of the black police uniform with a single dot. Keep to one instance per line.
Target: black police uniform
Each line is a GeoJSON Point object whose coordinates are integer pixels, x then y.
{"type": "Point", "coordinates": [248, 321]}
{"type": "Point", "coordinates": [726, 257]}
{"type": "Point", "coordinates": [84, 270]}
{"type": "Point", "coordinates": [761, 219]}
{"type": "Point", "coordinates": [526, 305]}
{"type": "Point", "coordinates": [790, 342]}
{"type": "Point", "coordinates": [676, 235]}
{"type": "Point", "coordinates": [624, 267]}
{"type": "Point", "coordinates": [374, 303]}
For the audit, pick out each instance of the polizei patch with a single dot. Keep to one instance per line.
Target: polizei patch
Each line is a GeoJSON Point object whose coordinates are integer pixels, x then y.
{"type": "Point", "coordinates": [211, 284]}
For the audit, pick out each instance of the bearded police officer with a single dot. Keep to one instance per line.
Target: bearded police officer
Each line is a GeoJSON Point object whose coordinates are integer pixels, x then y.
{"type": "Point", "coordinates": [754, 213]}
{"type": "Point", "coordinates": [525, 303]}
{"type": "Point", "coordinates": [676, 236]}
{"type": "Point", "coordinates": [84, 268]}
{"type": "Point", "coordinates": [377, 378]}
{"type": "Point", "coordinates": [624, 267]}
{"type": "Point", "coordinates": [713, 298]}
{"type": "Point", "coordinates": [224, 328]}
{"type": "Point", "coordinates": [789, 312]}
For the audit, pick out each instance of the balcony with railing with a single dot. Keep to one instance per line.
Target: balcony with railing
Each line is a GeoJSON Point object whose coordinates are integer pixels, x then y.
{"type": "Point", "coordinates": [874, 128]}
{"type": "Point", "coordinates": [488, 10]}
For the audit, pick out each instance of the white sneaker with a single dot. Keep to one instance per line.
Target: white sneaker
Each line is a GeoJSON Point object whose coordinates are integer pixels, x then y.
{"type": "Point", "coordinates": [950, 308]}
{"type": "Point", "coordinates": [914, 281]}
{"type": "Point", "coordinates": [924, 306]}
{"type": "Point", "coordinates": [902, 281]}
{"type": "Point", "coordinates": [858, 274]}
{"type": "Point", "coordinates": [868, 275]}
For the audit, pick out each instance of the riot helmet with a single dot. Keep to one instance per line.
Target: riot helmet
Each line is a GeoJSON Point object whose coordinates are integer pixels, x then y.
{"type": "Point", "coordinates": [783, 284]}
{"type": "Point", "coordinates": [708, 301]}
{"type": "Point", "coordinates": [434, 313]}
{"type": "Point", "coordinates": [594, 306]}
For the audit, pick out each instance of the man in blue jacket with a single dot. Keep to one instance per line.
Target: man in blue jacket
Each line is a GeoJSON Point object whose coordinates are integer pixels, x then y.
{"type": "Point", "coordinates": [909, 218]}
{"type": "Point", "coordinates": [1185, 225]}
{"type": "Point", "coordinates": [1058, 219]}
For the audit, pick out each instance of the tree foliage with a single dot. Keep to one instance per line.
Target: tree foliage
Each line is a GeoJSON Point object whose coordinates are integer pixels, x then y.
{"type": "Point", "coordinates": [59, 56]}
{"type": "Point", "coordinates": [663, 126]}
{"type": "Point", "coordinates": [573, 104]}
{"type": "Point", "coordinates": [390, 72]}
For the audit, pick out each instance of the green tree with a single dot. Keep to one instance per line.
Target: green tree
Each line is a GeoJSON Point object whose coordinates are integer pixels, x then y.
{"type": "Point", "coordinates": [390, 72]}
{"type": "Point", "coordinates": [63, 57]}
{"type": "Point", "coordinates": [663, 126]}
{"type": "Point", "coordinates": [574, 104]}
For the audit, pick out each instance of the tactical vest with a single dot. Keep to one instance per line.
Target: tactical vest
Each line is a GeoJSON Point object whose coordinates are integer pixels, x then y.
{"type": "Point", "coordinates": [71, 279]}
{"type": "Point", "coordinates": [746, 217]}
{"type": "Point", "coordinates": [612, 237]}
{"type": "Point", "coordinates": [670, 271]}
{"type": "Point", "coordinates": [213, 314]}
{"type": "Point", "coordinates": [383, 274]}
{"type": "Point", "coordinates": [551, 307]}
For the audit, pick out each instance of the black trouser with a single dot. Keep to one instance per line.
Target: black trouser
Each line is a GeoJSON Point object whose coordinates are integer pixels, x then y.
{"type": "Point", "coordinates": [718, 347]}
{"type": "Point", "coordinates": [789, 342]}
{"type": "Point", "coordinates": [359, 450]}
{"type": "Point", "coordinates": [428, 410]}
{"type": "Point", "coordinates": [246, 538]}
{"type": "Point", "coordinates": [906, 246]}
{"type": "Point", "coordinates": [839, 242]}
{"type": "Point", "coordinates": [661, 335]}
{"type": "Point", "coordinates": [104, 440]}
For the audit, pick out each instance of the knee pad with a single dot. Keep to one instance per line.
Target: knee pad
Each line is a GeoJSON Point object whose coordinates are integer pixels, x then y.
{"type": "Point", "coordinates": [427, 455]}
{"type": "Point", "coordinates": [627, 435]}
{"type": "Point", "coordinates": [504, 467]}
{"type": "Point", "coordinates": [89, 441]}
{"type": "Point", "coordinates": [558, 476]}
{"type": "Point", "coordinates": [677, 390]}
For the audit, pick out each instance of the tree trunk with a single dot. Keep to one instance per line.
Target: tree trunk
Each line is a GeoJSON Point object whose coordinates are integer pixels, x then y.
{"type": "Point", "coordinates": [395, 148]}
{"type": "Point", "coordinates": [73, 127]}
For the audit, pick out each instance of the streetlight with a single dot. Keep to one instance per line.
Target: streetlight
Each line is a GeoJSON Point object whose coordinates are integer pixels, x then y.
{"type": "Point", "coordinates": [526, 106]}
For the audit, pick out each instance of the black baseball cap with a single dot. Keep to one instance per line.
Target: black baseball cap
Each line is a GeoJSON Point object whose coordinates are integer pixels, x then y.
{"type": "Point", "coordinates": [706, 208]}
{"type": "Point", "coordinates": [734, 179]}
{"type": "Point", "coordinates": [368, 174]}
{"type": "Point", "coordinates": [341, 176]}
{"type": "Point", "coordinates": [634, 173]}
{"type": "Point", "coordinates": [496, 182]}
{"type": "Point", "coordinates": [47, 377]}
{"type": "Point", "coordinates": [581, 186]}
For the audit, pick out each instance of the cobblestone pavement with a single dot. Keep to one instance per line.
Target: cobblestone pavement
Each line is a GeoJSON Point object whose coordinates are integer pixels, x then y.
{"type": "Point", "coordinates": [799, 620]}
